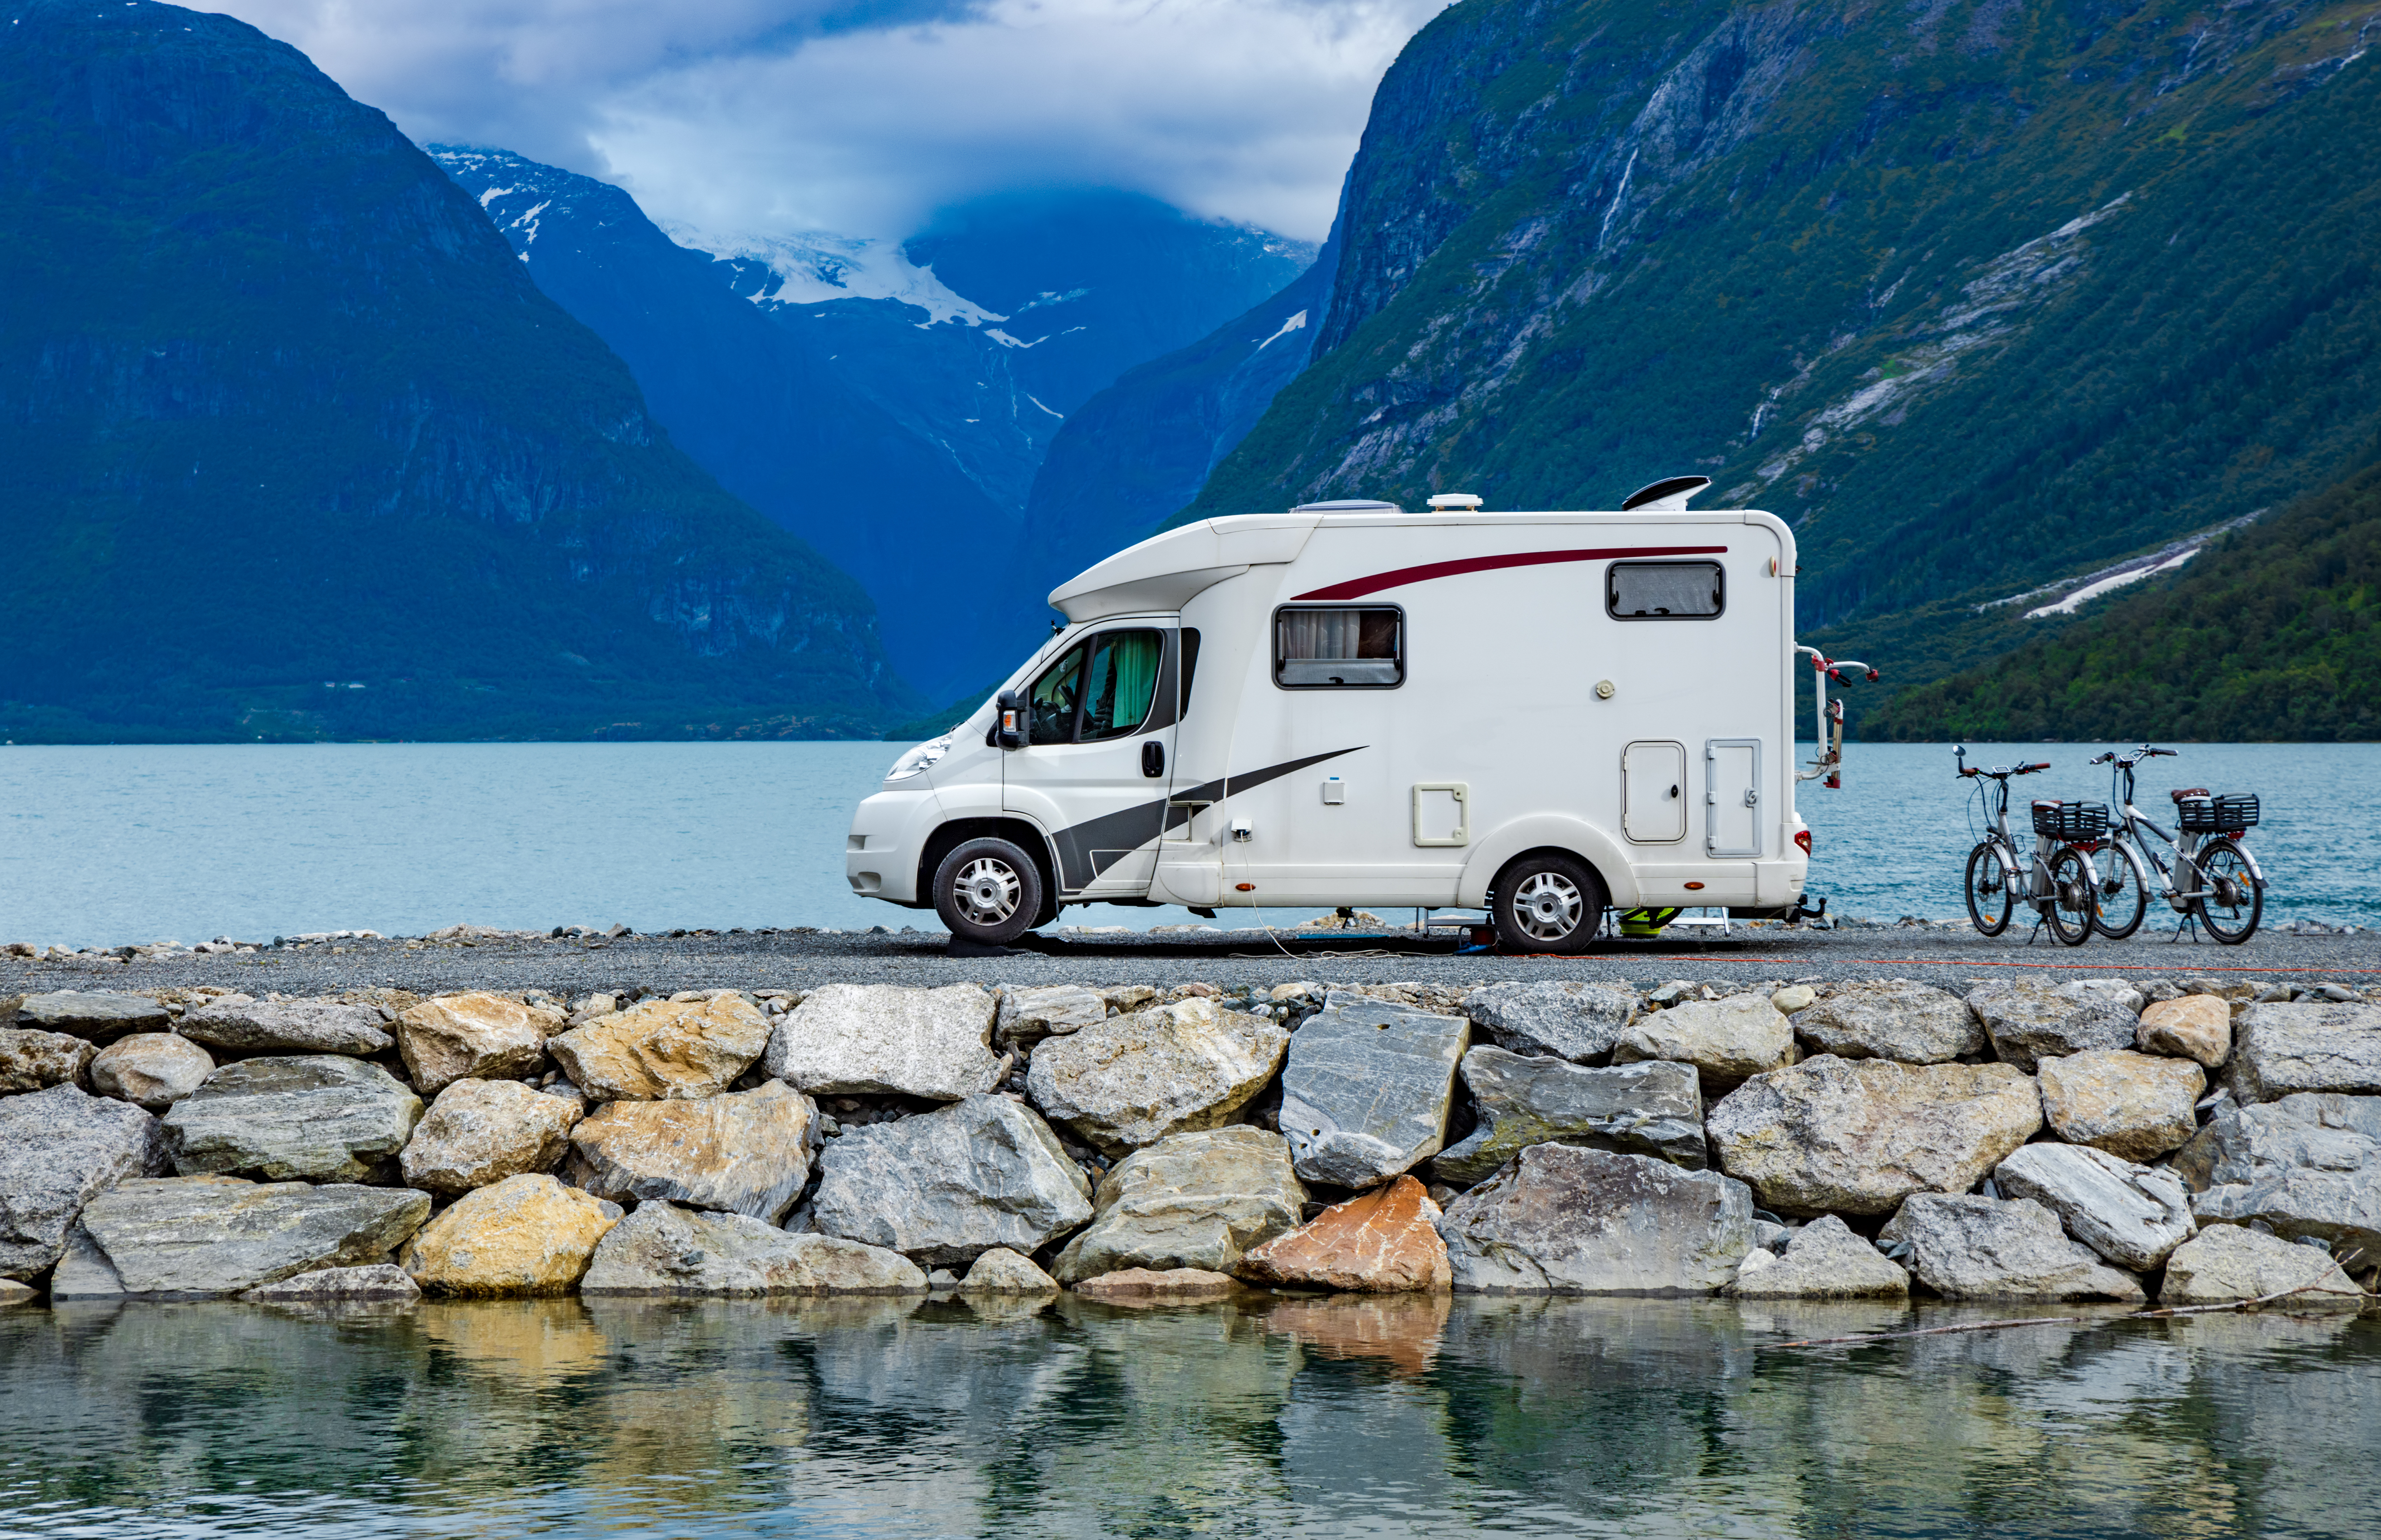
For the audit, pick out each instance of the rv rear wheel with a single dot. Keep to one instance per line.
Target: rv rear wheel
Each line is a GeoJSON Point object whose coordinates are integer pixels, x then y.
{"type": "Point", "coordinates": [1547, 903]}
{"type": "Point", "coordinates": [988, 891]}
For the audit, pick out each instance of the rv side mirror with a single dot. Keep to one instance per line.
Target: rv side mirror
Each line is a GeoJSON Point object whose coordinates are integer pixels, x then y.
{"type": "Point", "coordinates": [1011, 731]}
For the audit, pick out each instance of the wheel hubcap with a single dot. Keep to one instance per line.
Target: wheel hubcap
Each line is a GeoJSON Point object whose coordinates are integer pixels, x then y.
{"type": "Point", "coordinates": [987, 891]}
{"type": "Point", "coordinates": [1547, 905]}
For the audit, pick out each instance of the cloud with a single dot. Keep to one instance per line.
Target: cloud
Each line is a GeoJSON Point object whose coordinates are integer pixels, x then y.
{"type": "Point", "coordinates": [770, 117]}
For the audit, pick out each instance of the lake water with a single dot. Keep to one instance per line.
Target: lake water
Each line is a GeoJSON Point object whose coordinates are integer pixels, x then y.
{"type": "Point", "coordinates": [1335, 1417]}
{"type": "Point", "coordinates": [107, 845]}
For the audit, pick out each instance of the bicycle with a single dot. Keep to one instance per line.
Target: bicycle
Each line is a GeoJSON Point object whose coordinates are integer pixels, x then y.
{"type": "Point", "coordinates": [2225, 890]}
{"type": "Point", "coordinates": [2061, 883]}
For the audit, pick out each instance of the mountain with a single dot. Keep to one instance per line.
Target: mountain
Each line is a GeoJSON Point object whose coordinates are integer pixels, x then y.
{"type": "Point", "coordinates": [1976, 295]}
{"type": "Point", "coordinates": [889, 403]}
{"type": "Point", "coordinates": [291, 446]}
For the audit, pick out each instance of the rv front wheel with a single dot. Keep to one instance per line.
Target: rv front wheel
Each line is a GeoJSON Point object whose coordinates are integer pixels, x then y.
{"type": "Point", "coordinates": [988, 891]}
{"type": "Point", "coordinates": [1547, 903]}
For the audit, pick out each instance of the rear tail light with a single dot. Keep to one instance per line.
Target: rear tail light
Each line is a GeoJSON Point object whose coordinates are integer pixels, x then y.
{"type": "Point", "coordinates": [1802, 837]}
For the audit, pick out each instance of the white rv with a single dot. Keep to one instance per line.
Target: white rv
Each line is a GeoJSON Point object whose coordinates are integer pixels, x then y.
{"type": "Point", "coordinates": [1545, 714]}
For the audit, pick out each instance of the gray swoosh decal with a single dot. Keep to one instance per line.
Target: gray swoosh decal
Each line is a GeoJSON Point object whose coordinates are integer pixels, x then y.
{"type": "Point", "coordinates": [1116, 835]}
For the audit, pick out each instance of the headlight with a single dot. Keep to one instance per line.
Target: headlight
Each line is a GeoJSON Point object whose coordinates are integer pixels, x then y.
{"type": "Point", "coordinates": [917, 759]}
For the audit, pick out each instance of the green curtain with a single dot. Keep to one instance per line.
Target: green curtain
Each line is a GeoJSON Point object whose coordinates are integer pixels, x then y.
{"type": "Point", "coordinates": [1123, 681]}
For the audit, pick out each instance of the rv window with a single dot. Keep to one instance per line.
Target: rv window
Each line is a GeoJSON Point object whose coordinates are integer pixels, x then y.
{"type": "Point", "coordinates": [1319, 647]}
{"type": "Point", "coordinates": [1121, 682]}
{"type": "Point", "coordinates": [1663, 590]}
{"type": "Point", "coordinates": [1052, 700]}
{"type": "Point", "coordinates": [1190, 666]}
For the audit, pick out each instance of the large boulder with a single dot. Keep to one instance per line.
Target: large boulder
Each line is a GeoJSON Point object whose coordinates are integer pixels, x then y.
{"type": "Point", "coordinates": [37, 1060]}
{"type": "Point", "coordinates": [319, 1117]}
{"type": "Point", "coordinates": [477, 1132]}
{"type": "Point", "coordinates": [1857, 1136]}
{"type": "Point", "coordinates": [2131, 1214]}
{"type": "Point", "coordinates": [150, 1069]}
{"type": "Point", "coordinates": [879, 1039]}
{"type": "Point", "coordinates": [664, 1050]}
{"type": "Point", "coordinates": [382, 1282]}
{"type": "Point", "coordinates": [96, 1018]}
{"type": "Point", "coordinates": [1030, 1015]}
{"type": "Point", "coordinates": [241, 1025]}
{"type": "Point", "coordinates": [2136, 1107]}
{"type": "Point", "coordinates": [2308, 1164]}
{"type": "Point", "coordinates": [746, 1151]}
{"type": "Point", "coordinates": [527, 1235]}
{"type": "Point", "coordinates": [1727, 1041]}
{"type": "Point", "coordinates": [1384, 1241]}
{"type": "Point", "coordinates": [2028, 1020]}
{"type": "Point", "coordinates": [1366, 1088]}
{"type": "Point", "coordinates": [1173, 1068]}
{"type": "Point", "coordinates": [1001, 1271]}
{"type": "Point", "coordinates": [1823, 1260]}
{"type": "Point", "coordinates": [1191, 1199]}
{"type": "Point", "coordinates": [1914, 1023]}
{"type": "Point", "coordinates": [2189, 1026]}
{"type": "Point", "coordinates": [204, 1237]}
{"type": "Point", "coordinates": [2288, 1048]}
{"type": "Point", "coordinates": [943, 1187]}
{"type": "Point", "coordinates": [1569, 1221]}
{"type": "Point", "coordinates": [473, 1037]}
{"type": "Point", "coordinates": [1573, 1020]}
{"type": "Point", "coordinates": [59, 1149]}
{"type": "Point", "coordinates": [1965, 1246]}
{"type": "Point", "coordinates": [662, 1249]}
{"type": "Point", "coordinates": [2228, 1263]}
{"type": "Point", "coordinates": [1654, 1108]}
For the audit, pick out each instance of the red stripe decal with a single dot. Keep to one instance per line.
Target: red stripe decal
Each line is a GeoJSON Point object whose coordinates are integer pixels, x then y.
{"type": "Point", "coordinates": [1356, 588]}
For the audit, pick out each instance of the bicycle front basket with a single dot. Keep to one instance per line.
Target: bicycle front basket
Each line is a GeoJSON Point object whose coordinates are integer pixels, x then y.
{"type": "Point", "coordinates": [2070, 822]}
{"type": "Point", "coordinates": [2225, 814]}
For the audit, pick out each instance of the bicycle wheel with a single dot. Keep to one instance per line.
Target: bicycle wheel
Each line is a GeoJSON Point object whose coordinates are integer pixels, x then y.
{"type": "Point", "coordinates": [2074, 898]}
{"type": "Point", "coordinates": [1988, 889]}
{"type": "Point", "coordinates": [2124, 894]}
{"type": "Point", "coordinates": [2229, 903]}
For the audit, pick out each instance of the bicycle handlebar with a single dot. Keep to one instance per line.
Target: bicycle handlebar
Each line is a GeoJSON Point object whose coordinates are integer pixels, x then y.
{"type": "Point", "coordinates": [2002, 772]}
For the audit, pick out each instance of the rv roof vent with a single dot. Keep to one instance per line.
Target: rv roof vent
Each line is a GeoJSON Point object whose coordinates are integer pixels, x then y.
{"type": "Point", "coordinates": [1667, 495]}
{"type": "Point", "coordinates": [1455, 500]}
{"type": "Point", "coordinates": [1352, 505]}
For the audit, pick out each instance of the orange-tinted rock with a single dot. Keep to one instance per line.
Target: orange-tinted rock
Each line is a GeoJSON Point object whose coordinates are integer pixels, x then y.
{"type": "Point", "coordinates": [1143, 1283]}
{"type": "Point", "coordinates": [1384, 1241]}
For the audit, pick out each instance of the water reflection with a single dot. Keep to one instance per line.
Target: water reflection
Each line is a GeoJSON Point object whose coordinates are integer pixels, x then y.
{"type": "Point", "coordinates": [1267, 1415]}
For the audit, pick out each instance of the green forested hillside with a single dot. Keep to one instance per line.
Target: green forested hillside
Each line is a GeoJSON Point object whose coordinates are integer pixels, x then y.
{"type": "Point", "coordinates": [2273, 633]}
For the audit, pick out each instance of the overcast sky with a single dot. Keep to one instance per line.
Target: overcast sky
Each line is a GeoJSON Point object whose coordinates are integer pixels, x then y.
{"type": "Point", "coordinates": [770, 117]}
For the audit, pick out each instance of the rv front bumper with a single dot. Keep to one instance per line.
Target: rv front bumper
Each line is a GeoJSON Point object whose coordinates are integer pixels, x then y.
{"type": "Point", "coordinates": [889, 830]}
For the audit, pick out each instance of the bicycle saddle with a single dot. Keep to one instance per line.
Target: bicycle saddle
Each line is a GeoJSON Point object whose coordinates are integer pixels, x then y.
{"type": "Point", "coordinates": [2188, 792]}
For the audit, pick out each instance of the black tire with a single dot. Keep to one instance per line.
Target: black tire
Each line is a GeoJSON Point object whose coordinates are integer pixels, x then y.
{"type": "Point", "coordinates": [2124, 895]}
{"type": "Point", "coordinates": [988, 891]}
{"type": "Point", "coordinates": [2231, 900]}
{"type": "Point", "coordinates": [1988, 889]}
{"type": "Point", "coordinates": [1547, 902]}
{"type": "Point", "coordinates": [2074, 898]}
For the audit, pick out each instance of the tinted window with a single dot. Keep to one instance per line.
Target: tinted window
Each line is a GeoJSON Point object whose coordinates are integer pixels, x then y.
{"type": "Point", "coordinates": [1051, 703]}
{"type": "Point", "coordinates": [1346, 645]}
{"type": "Point", "coordinates": [1663, 590]}
{"type": "Point", "coordinates": [1120, 682]}
{"type": "Point", "coordinates": [1189, 665]}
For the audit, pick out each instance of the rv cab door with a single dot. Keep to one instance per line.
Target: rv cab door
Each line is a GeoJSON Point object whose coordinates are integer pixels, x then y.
{"type": "Point", "coordinates": [1099, 755]}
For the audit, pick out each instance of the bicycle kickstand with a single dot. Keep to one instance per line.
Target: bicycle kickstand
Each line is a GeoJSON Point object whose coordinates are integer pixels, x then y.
{"type": "Point", "coordinates": [2190, 925]}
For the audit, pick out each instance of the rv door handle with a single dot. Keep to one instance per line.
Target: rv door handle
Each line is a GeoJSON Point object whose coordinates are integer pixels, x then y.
{"type": "Point", "coordinates": [1752, 798]}
{"type": "Point", "coordinates": [1152, 759]}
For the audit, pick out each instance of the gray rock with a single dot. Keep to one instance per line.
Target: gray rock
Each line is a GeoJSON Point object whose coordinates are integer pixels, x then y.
{"type": "Point", "coordinates": [58, 1149]}
{"type": "Point", "coordinates": [1965, 1246]}
{"type": "Point", "coordinates": [2286, 1049]}
{"type": "Point", "coordinates": [2306, 1165]}
{"type": "Point", "coordinates": [1856, 1136]}
{"type": "Point", "coordinates": [93, 1018]}
{"type": "Point", "coordinates": [1196, 1200]}
{"type": "Point", "coordinates": [1366, 1088]}
{"type": "Point", "coordinates": [1727, 1041]}
{"type": "Point", "coordinates": [1651, 1108]}
{"type": "Point", "coordinates": [868, 1039]}
{"type": "Point", "coordinates": [150, 1069]}
{"type": "Point", "coordinates": [746, 1151]}
{"type": "Point", "coordinates": [1897, 1020]}
{"type": "Point", "coordinates": [320, 1118]}
{"type": "Point", "coordinates": [1573, 1020]}
{"type": "Point", "coordinates": [949, 1185]}
{"type": "Point", "coordinates": [477, 1132]}
{"type": "Point", "coordinates": [288, 1027]}
{"type": "Point", "coordinates": [1001, 1271]}
{"type": "Point", "coordinates": [1824, 1259]}
{"type": "Point", "coordinates": [381, 1282]}
{"type": "Point", "coordinates": [1172, 1069]}
{"type": "Point", "coordinates": [15, 1293]}
{"type": "Point", "coordinates": [2226, 1263]}
{"type": "Point", "coordinates": [1569, 1221]}
{"type": "Point", "coordinates": [1030, 1015]}
{"type": "Point", "coordinates": [2131, 1214]}
{"type": "Point", "coordinates": [37, 1060]}
{"type": "Point", "coordinates": [2028, 1020]}
{"type": "Point", "coordinates": [202, 1236]}
{"type": "Point", "coordinates": [662, 1249]}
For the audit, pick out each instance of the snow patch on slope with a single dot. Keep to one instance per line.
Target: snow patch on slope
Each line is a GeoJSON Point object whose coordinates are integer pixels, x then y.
{"type": "Point", "coordinates": [818, 266]}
